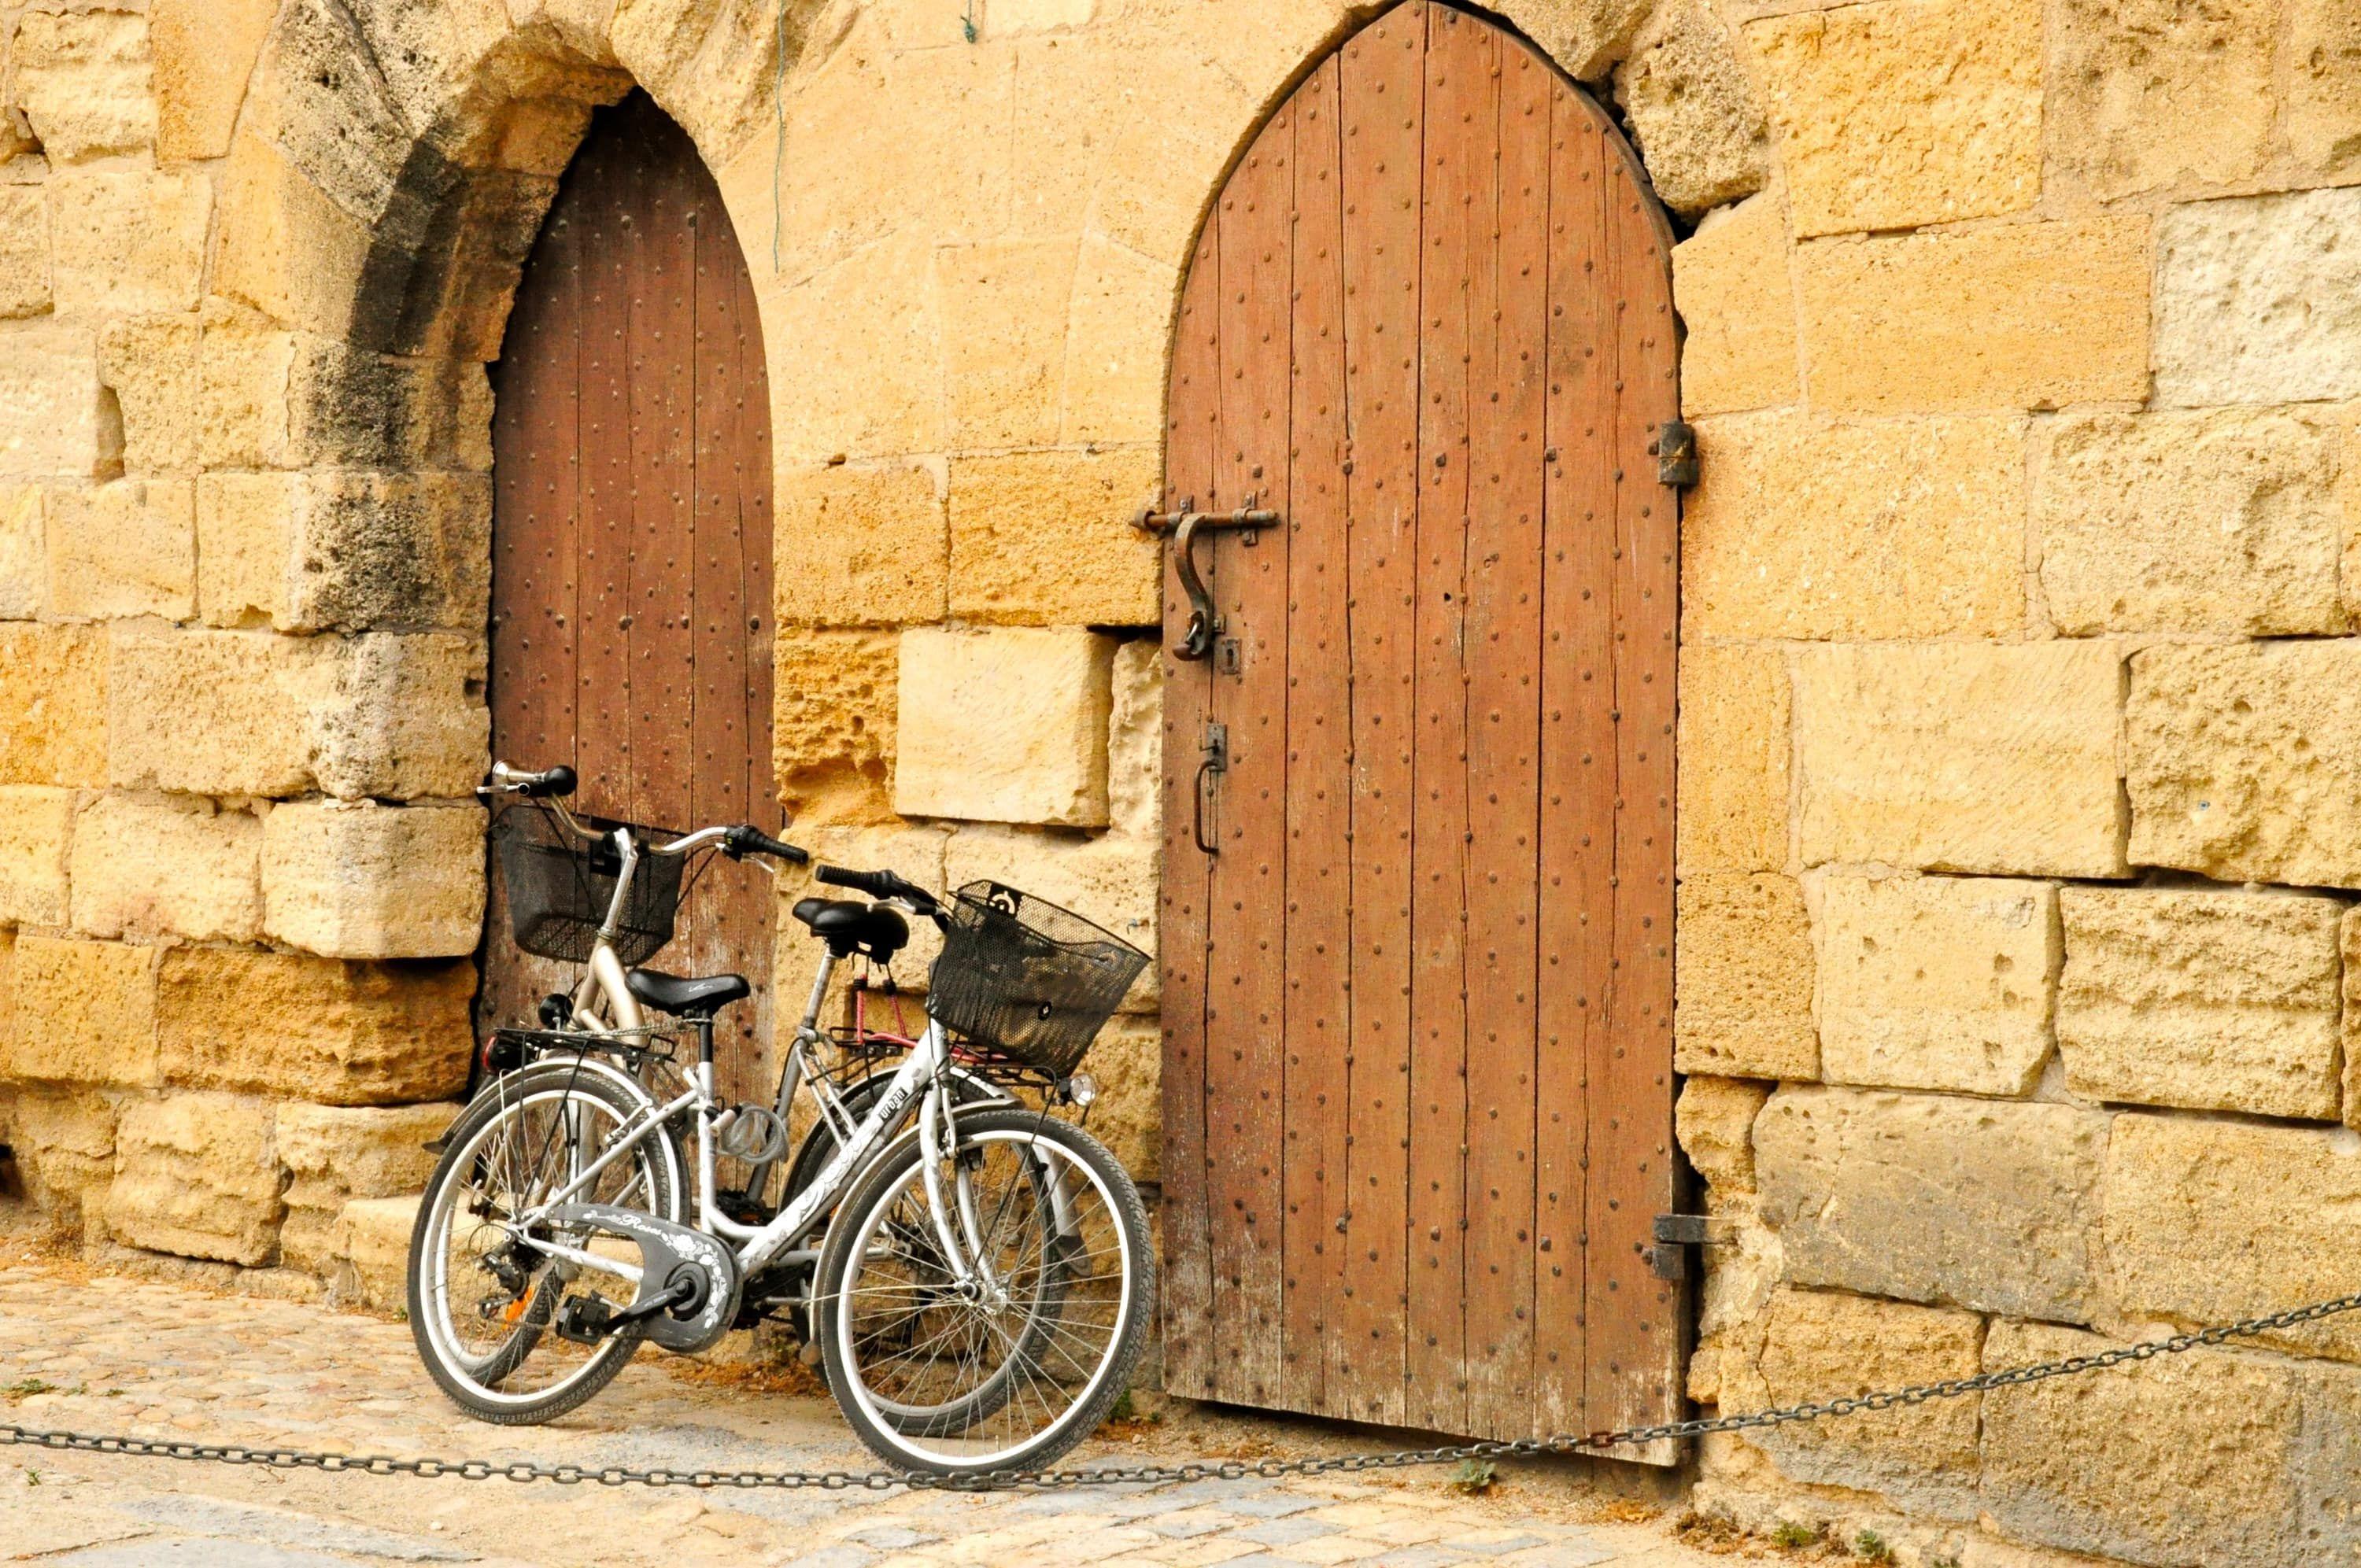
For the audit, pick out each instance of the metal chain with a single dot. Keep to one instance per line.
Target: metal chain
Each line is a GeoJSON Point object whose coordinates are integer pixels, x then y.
{"type": "Point", "coordinates": [1156, 1475]}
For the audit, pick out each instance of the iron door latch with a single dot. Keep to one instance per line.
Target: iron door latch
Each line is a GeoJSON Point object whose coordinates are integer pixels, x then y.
{"type": "Point", "coordinates": [1676, 455]}
{"type": "Point", "coordinates": [1184, 524]}
{"type": "Point", "coordinates": [1216, 747]}
{"type": "Point", "coordinates": [1676, 1234]}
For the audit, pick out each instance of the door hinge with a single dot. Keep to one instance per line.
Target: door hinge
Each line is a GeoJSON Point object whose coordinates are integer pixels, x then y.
{"type": "Point", "coordinates": [1677, 457]}
{"type": "Point", "coordinates": [1676, 1234]}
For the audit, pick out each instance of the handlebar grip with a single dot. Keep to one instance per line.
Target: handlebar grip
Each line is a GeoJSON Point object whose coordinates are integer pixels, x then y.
{"type": "Point", "coordinates": [559, 780]}
{"type": "Point", "coordinates": [746, 839]}
{"type": "Point", "coordinates": [877, 885]}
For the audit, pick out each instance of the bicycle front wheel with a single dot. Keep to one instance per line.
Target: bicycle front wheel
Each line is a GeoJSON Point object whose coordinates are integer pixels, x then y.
{"type": "Point", "coordinates": [1011, 1366]}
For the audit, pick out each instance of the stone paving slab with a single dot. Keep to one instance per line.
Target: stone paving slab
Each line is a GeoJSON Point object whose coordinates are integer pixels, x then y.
{"type": "Point", "coordinates": [149, 1359]}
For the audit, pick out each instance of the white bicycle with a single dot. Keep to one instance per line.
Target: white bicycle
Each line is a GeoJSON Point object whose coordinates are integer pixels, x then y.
{"type": "Point", "coordinates": [975, 1271]}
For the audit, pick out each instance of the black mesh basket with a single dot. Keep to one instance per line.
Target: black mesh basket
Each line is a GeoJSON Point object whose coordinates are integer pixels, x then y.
{"type": "Point", "coordinates": [559, 886]}
{"type": "Point", "coordinates": [1027, 978]}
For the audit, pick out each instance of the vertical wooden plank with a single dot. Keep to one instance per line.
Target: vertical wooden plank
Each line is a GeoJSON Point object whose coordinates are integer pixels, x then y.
{"type": "Point", "coordinates": [1381, 76]}
{"type": "Point", "coordinates": [1508, 332]}
{"type": "Point", "coordinates": [1246, 998]}
{"type": "Point", "coordinates": [1192, 436]}
{"type": "Point", "coordinates": [604, 545]}
{"type": "Point", "coordinates": [664, 579]}
{"type": "Point", "coordinates": [1318, 1021]}
{"type": "Point", "coordinates": [1577, 762]}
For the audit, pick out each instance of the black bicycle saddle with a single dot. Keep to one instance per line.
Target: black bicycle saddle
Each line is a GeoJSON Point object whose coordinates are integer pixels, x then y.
{"type": "Point", "coordinates": [849, 926]}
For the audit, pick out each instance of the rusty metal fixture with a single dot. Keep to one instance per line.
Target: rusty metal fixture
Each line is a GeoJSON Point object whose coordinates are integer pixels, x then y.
{"type": "Point", "coordinates": [1184, 524]}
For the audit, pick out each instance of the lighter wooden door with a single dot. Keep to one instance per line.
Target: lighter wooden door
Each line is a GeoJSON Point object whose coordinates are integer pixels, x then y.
{"type": "Point", "coordinates": [1417, 1057]}
{"type": "Point", "coordinates": [631, 543]}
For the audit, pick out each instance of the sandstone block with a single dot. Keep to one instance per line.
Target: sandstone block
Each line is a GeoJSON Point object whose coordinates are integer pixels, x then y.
{"type": "Point", "coordinates": [1111, 879]}
{"type": "Point", "coordinates": [286, 248]}
{"type": "Point", "coordinates": [2150, 97]}
{"type": "Point", "coordinates": [2182, 1459]}
{"type": "Point", "coordinates": [1585, 37]}
{"type": "Point", "coordinates": [1714, 1119]}
{"type": "Point", "coordinates": [53, 706]}
{"type": "Point", "coordinates": [124, 549]}
{"type": "Point", "coordinates": [1991, 1205]}
{"type": "Point", "coordinates": [244, 371]}
{"type": "Point", "coordinates": [1806, 527]}
{"type": "Point", "coordinates": [2213, 1000]}
{"type": "Point", "coordinates": [856, 386]}
{"type": "Point", "coordinates": [205, 50]}
{"type": "Point", "coordinates": [390, 550]}
{"type": "Point", "coordinates": [399, 716]}
{"type": "Point", "coordinates": [2348, 947]}
{"type": "Point", "coordinates": [2235, 757]}
{"type": "Point", "coordinates": [36, 827]}
{"type": "Point", "coordinates": [24, 251]}
{"type": "Point", "coordinates": [1734, 747]}
{"type": "Point", "coordinates": [150, 865]}
{"type": "Point", "coordinates": [371, 1245]}
{"type": "Point", "coordinates": [245, 538]}
{"type": "Point", "coordinates": [1044, 537]}
{"type": "Point", "coordinates": [1115, 341]}
{"type": "Point", "coordinates": [82, 78]}
{"type": "Point", "coordinates": [356, 880]}
{"type": "Point", "coordinates": [85, 1012]}
{"type": "Point", "coordinates": [24, 553]}
{"type": "Point", "coordinates": [210, 712]}
{"type": "Point", "coordinates": [1960, 758]}
{"type": "Point", "coordinates": [1692, 110]}
{"type": "Point", "coordinates": [1136, 740]}
{"type": "Point", "coordinates": [293, 1025]}
{"type": "Point", "coordinates": [64, 1141]}
{"type": "Point", "coordinates": [2258, 298]}
{"type": "Point", "coordinates": [2324, 105]}
{"type": "Point", "coordinates": [1004, 726]}
{"type": "Point", "coordinates": [151, 364]}
{"type": "Point", "coordinates": [832, 727]}
{"type": "Point", "coordinates": [1743, 981]}
{"type": "Point", "coordinates": [1904, 112]}
{"type": "Point", "coordinates": [55, 418]}
{"type": "Point", "coordinates": [335, 1155]}
{"type": "Point", "coordinates": [1936, 983]}
{"type": "Point", "coordinates": [196, 1176]}
{"type": "Point", "coordinates": [861, 546]}
{"type": "Point", "coordinates": [1127, 1060]}
{"type": "Point", "coordinates": [1737, 297]}
{"type": "Point", "coordinates": [349, 408]}
{"type": "Point", "coordinates": [2226, 521]}
{"type": "Point", "coordinates": [2031, 316]}
{"type": "Point", "coordinates": [1818, 1346]}
{"type": "Point", "coordinates": [129, 242]}
{"type": "Point", "coordinates": [1000, 366]}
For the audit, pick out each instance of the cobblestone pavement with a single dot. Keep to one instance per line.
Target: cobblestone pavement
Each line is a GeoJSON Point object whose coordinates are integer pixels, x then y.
{"type": "Point", "coordinates": [131, 1355]}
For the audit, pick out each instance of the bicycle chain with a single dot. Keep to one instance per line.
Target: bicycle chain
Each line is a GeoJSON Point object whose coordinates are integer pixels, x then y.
{"type": "Point", "coordinates": [1159, 1475]}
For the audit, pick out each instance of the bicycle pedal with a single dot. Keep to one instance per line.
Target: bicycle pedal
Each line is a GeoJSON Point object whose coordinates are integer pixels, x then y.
{"type": "Point", "coordinates": [585, 1319]}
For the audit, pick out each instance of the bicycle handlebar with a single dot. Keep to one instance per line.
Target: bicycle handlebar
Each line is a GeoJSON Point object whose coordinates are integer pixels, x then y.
{"type": "Point", "coordinates": [557, 781]}
{"type": "Point", "coordinates": [747, 839]}
{"type": "Point", "coordinates": [880, 884]}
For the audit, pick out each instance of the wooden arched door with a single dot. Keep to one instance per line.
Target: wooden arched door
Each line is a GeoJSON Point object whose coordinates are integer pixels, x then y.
{"type": "Point", "coordinates": [1418, 1061]}
{"type": "Point", "coordinates": [631, 541]}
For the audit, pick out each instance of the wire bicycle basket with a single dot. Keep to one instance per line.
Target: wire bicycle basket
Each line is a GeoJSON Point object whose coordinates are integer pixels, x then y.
{"type": "Point", "coordinates": [559, 886]}
{"type": "Point", "coordinates": [1026, 978]}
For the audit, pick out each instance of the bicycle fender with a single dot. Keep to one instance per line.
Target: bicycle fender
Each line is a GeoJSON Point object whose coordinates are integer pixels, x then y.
{"type": "Point", "coordinates": [665, 1249]}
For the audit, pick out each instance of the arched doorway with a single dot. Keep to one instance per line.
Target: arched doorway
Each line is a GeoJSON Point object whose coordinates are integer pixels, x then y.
{"type": "Point", "coordinates": [631, 541]}
{"type": "Point", "coordinates": [1418, 1061]}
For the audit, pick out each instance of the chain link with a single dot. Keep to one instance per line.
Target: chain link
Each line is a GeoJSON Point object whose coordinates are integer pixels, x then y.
{"type": "Point", "coordinates": [1158, 1475]}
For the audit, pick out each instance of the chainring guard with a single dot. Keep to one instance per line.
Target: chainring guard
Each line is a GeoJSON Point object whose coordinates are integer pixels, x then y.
{"type": "Point", "coordinates": [665, 1249]}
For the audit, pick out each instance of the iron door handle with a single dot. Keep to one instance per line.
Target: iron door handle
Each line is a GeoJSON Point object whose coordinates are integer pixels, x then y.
{"type": "Point", "coordinates": [1184, 524]}
{"type": "Point", "coordinates": [1216, 746]}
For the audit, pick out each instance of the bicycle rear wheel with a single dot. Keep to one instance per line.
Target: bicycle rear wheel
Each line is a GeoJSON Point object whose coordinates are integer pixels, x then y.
{"type": "Point", "coordinates": [1012, 1370]}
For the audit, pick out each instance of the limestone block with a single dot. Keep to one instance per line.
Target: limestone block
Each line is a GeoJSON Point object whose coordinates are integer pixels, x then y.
{"type": "Point", "coordinates": [1004, 726]}
{"type": "Point", "coordinates": [2186, 1459]}
{"type": "Point", "coordinates": [399, 716]}
{"type": "Point", "coordinates": [64, 1143]}
{"type": "Point", "coordinates": [322, 94]}
{"type": "Point", "coordinates": [36, 827]}
{"type": "Point", "coordinates": [151, 364]}
{"type": "Point", "coordinates": [1585, 37]}
{"type": "Point", "coordinates": [833, 722]}
{"type": "Point", "coordinates": [2151, 96]}
{"type": "Point", "coordinates": [390, 550]}
{"type": "Point", "coordinates": [1743, 979]}
{"type": "Point", "coordinates": [2258, 298]}
{"type": "Point", "coordinates": [356, 880]}
{"type": "Point", "coordinates": [1000, 365]}
{"type": "Point", "coordinates": [2225, 520]}
{"type": "Point", "coordinates": [245, 538]}
{"type": "Point", "coordinates": [85, 1012]}
{"type": "Point", "coordinates": [82, 78]}
{"type": "Point", "coordinates": [1111, 879]}
{"type": "Point", "coordinates": [1960, 758]}
{"type": "Point", "coordinates": [151, 865]}
{"type": "Point", "coordinates": [2322, 113]}
{"type": "Point", "coordinates": [2030, 316]}
{"type": "Point", "coordinates": [293, 1025]}
{"type": "Point", "coordinates": [861, 546]}
{"type": "Point", "coordinates": [831, 207]}
{"type": "Point", "coordinates": [210, 712]}
{"type": "Point", "coordinates": [129, 242]}
{"type": "Point", "coordinates": [1136, 740]}
{"type": "Point", "coordinates": [1128, 1060]}
{"type": "Point", "coordinates": [372, 1246]}
{"type": "Point", "coordinates": [1936, 982]}
{"type": "Point", "coordinates": [1734, 749]}
{"type": "Point", "coordinates": [715, 64]}
{"type": "Point", "coordinates": [335, 1155]}
{"type": "Point", "coordinates": [127, 548]}
{"type": "Point", "coordinates": [1044, 538]}
{"type": "Point", "coordinates": [24, 251]}
{"type": "Point", "coordinates": [909, 849]}
{"type": "Point", "coordinates": [2210, 1221]}
{"type": "Point", "coordinates": [56, 419]}
{"type": "Point", "coordinates": [24, 553]}
{"type": "Point", "coordinates": [1818, 1346]}
{"type": "Point", "coordinates": [2348, 947]}
{"type": "Point", "coordinates": [1737, 297]}
{"type": "Point", "coordinates": [349, 408]}
{"type": "Point", "coordinates": [244, 373]}
{"type": "Point", "coordinates": [1904, 112]}
{"type": "Point", "coordinates": [2237, 761]}
{"type": "Point", "coordinates": [54, 713]}
{"type": "Point", "coordinates": [286, 248]}
{"type": "Point", "coordinates": [1115, 346]}
{"type": "Point", "coordinates": [196, 1176]}
{"type": "Point", "coordinates": [856, 357]}
{"type": "Point", "coordinates": [1991, 1205]}
{"type": "Point", "coordinates": [1714, 1120]}
{"type": "Point", "coordinates": [1692, 112]}
{"type": "Point", "coordinates": [1801, 526]}
{"type": "Point", "coordinates": [2213, 1000]}
{"type": "Point", "coordinates": [205, 50]}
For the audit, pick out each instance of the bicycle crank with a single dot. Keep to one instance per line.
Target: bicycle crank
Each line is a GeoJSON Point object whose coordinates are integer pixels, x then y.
{"type": "Point", "coordinates": [690, 1283]}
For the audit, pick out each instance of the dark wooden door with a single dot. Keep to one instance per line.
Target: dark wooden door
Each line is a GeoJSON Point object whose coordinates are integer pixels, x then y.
{"type": "Point", "coordinates": [631, 541]}
{"type": "Point", "coordinates": [1418, 1059]}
